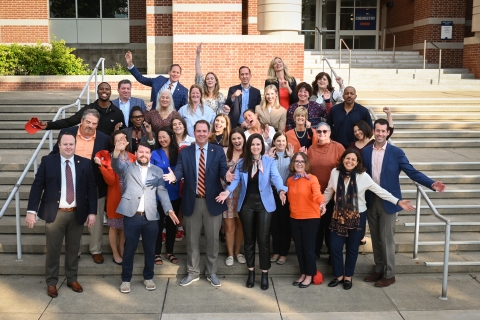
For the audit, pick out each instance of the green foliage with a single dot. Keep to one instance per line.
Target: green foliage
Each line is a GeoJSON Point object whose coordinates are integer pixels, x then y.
{"type": "Point", "coordinates": [56, 59]}
{"type": "Point", "coordinates": [118, 69]}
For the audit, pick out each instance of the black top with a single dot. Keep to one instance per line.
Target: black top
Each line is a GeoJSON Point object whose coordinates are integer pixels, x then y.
{"type": "Point", "coordinates": [252, 187]}
{"type": "Point", "coordinates": [306, 138]}
{"type": "Point", "coordinates": [109, 117]}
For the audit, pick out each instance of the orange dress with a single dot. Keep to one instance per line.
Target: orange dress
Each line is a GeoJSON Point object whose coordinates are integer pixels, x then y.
{"type": "Point", "coordinates": [112, 179]}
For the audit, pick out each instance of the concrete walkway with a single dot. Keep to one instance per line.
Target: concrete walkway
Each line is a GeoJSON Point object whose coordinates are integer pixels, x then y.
{"type": "Point", "coordinates": [411, 297]}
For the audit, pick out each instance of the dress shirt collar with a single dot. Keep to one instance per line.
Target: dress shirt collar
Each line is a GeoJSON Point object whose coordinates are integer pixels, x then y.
{"type": "Point", "coordinates": [63, 159]}
{"type": "Point", "coordinates": [138, 164]}
{"type": "Point", "coordinates": [378, 149]}
{"type": "Point", "coordinates": [197, 147]}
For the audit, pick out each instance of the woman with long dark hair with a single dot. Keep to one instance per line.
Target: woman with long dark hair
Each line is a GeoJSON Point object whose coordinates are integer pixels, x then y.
{"type": "Point", "coordinates": [257, 173]}
{"type": "Point", "coordinates": [349, 181]}
{"type": "Point", "coordinates": [165, 158]}
{"type": "Point", "coordinates": [323, 91]}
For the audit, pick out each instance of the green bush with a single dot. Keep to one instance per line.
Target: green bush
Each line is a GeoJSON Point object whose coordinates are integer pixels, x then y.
{"type": "Point", "coordinates": [118, 69]}
{"type": "Point", "coordinates": [56, 59]}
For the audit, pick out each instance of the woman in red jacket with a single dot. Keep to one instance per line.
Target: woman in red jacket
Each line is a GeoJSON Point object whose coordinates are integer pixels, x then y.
{"type": "Point", "coordinates": [114, 193]}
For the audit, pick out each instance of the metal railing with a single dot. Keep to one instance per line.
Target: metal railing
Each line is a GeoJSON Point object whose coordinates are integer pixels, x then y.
{"type": "Point", "coordinates": [349, 58]}
{"type": "Point", "coordinates": [332, 71]}
{"type": "Point", "coordinates": [421, 193]}
{"type": "Point", "coordinates": [34, 159]}
{"type": "Point", "coordinates": [384, 36]}
{"type": "Point", "coordinates": [439, 57]}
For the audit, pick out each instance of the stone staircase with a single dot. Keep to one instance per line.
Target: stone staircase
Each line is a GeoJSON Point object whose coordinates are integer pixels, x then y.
{"type": "Point", "coordinates": [450, 126]}
{"type": "Point", "coordinates": [406, 73]}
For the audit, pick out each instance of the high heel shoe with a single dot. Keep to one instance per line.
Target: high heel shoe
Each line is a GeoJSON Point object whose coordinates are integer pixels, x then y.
{"type": "Point", "coordinates": [251, 279]}
{"type": "Point", "coordinates": [264, 281]}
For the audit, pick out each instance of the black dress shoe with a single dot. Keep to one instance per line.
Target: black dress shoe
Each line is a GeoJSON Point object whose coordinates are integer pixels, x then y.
{"type": "Point", "coordinates": [347, 284]}
{"type": "Point", "coordinates": [335, 282]}
{"type": "Point", "coordinates": [301, 285]}
{"type": "Point", "coordinates": [296, 283]}
{"type": "Point", "coordinates": [251, 279]}
{"type": "Point", "coordinates": [264, 281]}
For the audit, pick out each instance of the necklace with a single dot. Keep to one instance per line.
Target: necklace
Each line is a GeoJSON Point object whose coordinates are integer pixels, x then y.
{"type": "Point", "coordinates": [304, 132]}
{"type": "Point", "coordinates": [221, 137]}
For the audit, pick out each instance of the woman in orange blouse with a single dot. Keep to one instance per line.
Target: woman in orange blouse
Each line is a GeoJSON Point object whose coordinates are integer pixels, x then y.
{"type": "Point", "coordinates": [114, 193]}
{"type": "Point", "coordinates": [306, 206]}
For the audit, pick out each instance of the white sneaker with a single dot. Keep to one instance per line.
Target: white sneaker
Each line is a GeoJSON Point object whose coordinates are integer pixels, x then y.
{"type": "Point", "coordinates": [229, 261]}
{"type": "Point", "coordinates": [125, 287]}
{"type": "Point", "coordinates": [241, 258]}
{"type": "Point", "coordinates": [149, 285]}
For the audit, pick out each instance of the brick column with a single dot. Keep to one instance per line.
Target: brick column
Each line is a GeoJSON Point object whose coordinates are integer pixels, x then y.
{"type": "Point", "coordinates": [471, 49]}
{"type": "Point", "coordinates": [24, 21]}
{"type": "Point", "coordinates": [159, 35]}
{"type": "Point", "coordinates": [427, 26]}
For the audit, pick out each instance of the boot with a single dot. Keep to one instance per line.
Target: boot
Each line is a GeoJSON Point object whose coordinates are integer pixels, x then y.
{"type": "Point", "coordinates": [264, 281]}
{"type": "Point", "coordinates": [251, 279]}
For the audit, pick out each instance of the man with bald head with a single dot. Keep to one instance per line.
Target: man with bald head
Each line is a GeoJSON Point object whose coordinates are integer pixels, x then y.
{"type": "Point", "coordinates": [343, 117]}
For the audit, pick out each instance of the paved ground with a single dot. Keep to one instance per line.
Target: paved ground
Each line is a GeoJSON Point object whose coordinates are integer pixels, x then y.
{"type": "Point", "coordinates": [412, 297]}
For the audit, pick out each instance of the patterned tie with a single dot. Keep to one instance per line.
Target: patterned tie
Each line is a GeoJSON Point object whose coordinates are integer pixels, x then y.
{"type": "Point", "coordinates": [170, 86]}
{"type": "Point", "coordinates": [68, 176]}
{"type": "Point", "coordinates": [201, 174]}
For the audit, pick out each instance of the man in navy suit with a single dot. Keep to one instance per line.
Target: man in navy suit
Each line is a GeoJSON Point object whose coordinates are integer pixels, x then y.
{"type": "Point", "coordinates": [126, 102]}
{"type": "Point", "coordinates": [242, 97]}
{"type": "Point", "coordinates": [179, 92]}
{"type": "Point", "coordinates": [89, 142]}
{"type": "Point", "coordinates": [65, 196]}
{"type": "Point", "coordinates": [384, 163]}
{"type": "Point", "coordinates": [198, 205]}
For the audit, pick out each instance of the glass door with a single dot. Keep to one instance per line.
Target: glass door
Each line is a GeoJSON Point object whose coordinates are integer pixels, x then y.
{"type": "Point", "coordinates": [357, 23]}
{"type": "Point", "coordinates": [309, 21]}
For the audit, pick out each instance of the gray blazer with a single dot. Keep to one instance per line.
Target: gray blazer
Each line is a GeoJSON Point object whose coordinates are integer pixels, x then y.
{"type": "Point", "coordinates": [153, 189]}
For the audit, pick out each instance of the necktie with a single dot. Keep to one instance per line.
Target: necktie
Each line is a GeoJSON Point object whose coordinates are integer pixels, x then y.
{"type": "Point", "coordinates": [201, 174]}
{"type": "Point", "coordinates": [170, 86]}
{"type": "Point", "coordinates": [68, 177]}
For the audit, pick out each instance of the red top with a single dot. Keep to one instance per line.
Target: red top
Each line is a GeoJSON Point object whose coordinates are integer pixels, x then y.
{"type": "Point", "coordinates": [284, 98]}
{"type": "Point", "coordinates": [114, 193]}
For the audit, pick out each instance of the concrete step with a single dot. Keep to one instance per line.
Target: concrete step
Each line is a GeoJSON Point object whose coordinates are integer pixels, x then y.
{"type": "Point", "coordinates": [21, 116]}
{"type": "Point", "coordinates": [437, 143]}
{"type": "Point", "coordinates": [33, 108]}
{"type": "Point", "coordinates": [417, 103]}
{"type": "Point", "coordinates": [435, 125]}
{"type": "Point", "coordinates": [453, 191]}
{"type": "Point", "coordinates": [433, 134]}
{"type": "Point", "coordinates": [25, 144]}
{"type": "Point", "coordinates": [401, 109]}
{"type": "Point", "coordinates": [448, 177]}
{"type": "Point", "coordinates": [11, 177]}
{"type": "Point", "coordinates": [21, 135]}
{"type": "Point", "coordinates": [404, 241]}
{"type": "Point", "coordinates": [424, 218]}
{"type": "Point", "coordinates": [16, 160]}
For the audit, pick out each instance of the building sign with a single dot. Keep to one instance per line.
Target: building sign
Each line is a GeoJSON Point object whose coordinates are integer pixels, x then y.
{"type": "Point", "coordinates": [447, 30]}
{"type": "Point", "coordinates": [365, 19]}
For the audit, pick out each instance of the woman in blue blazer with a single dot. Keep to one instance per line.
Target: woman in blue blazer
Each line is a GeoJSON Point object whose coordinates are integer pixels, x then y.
{"type": "Point", "coordinates": [256, 203]}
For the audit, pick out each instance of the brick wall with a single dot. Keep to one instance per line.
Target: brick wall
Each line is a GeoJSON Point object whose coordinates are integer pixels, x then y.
{"type": "Point", "coordinates": [138, 34]}
{"type": "Point", "coordinates": [471, 52]}
{"type": "Point", "coordinates": [224, 59]}
{"type": "Point", "coordinates": [207, 23]}
{"type": "Point", "coordinates": [24, 34]}
{"type": "Point", "coordinates": [159, 25]}
{"type": "Point", "coordinates": [137, 9]}
{"type": "Point", "coordinates": [24, 9]}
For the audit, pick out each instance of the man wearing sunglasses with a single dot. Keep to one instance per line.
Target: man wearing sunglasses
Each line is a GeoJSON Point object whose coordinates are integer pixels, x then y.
{"type": "Point", "coordinates": [343, 116]}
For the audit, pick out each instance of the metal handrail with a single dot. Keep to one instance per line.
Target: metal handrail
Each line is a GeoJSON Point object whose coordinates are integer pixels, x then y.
{"type": "Point", "coordinates": [384, 39]}
{"type": "Point", "coordinates": [439, 57]}
{"type": "Point", "coordinates": [420, 193]}
{"type": "Point", "coordinates": [324, 59]}
{"type": "Point", "coordinates": [34, 159]}
{"type": "Point", "coordinates": [349, 60]}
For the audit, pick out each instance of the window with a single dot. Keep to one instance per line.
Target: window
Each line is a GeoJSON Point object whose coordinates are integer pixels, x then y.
{"type": "Point", "coordinates": [88, 9]}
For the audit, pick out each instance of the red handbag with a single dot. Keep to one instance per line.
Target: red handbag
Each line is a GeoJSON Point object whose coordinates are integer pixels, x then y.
{"type": "Point", "coordinates": [318, 278]}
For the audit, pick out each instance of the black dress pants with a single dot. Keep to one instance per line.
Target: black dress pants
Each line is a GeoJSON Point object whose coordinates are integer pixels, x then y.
{"type": "Point", "coordinates": [167, 223]}
{"type": "Point", "coordinates": [256, 227]}
{"type": "Point", "coordinates": [280, 228]}
{"type": "Point", "coordinates": [324, 229]}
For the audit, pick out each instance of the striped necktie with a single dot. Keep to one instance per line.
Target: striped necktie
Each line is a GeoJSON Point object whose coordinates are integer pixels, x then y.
{"type": "Point", "coordinates": [69, 179]}
{"type": "Point", "coordinates": [201, 174]}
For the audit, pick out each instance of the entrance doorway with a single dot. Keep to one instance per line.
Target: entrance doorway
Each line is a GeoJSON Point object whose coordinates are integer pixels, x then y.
{"type": "Point", "coordinates": [354, 21]}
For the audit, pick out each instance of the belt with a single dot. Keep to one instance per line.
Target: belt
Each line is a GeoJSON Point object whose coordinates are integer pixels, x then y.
{"type": "Point", "coordinates": [67, 209]}
{"type": "Point", "coordinates": [140, 213]}
{"type": "Point", "coordinates": [202, 196]}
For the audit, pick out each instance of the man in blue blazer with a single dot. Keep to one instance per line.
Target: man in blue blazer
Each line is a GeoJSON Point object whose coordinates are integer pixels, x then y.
{"type": "Point", "coordinates": [126, 102]}
{"type": "Point", "coordinates": [65, 196]}
{"type": "Point", "coordinates": [242, 97]}
{"type": "Point", "coordinates": [89, 142]}
{"type": "Point", "coordinates": [384, 163]}
{"type": "Point", "coordinates": [198, 203]}
{"type": "Point", "coordinates": [179, 92]}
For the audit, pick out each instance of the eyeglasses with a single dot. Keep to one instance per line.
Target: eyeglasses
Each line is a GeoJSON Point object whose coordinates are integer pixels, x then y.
{"type": "Point", "coordinates": [322, 131]}
{"type": "Point", "coordinates": [138, 117]}
{"type": "Point", "coordinates": [299, 162]}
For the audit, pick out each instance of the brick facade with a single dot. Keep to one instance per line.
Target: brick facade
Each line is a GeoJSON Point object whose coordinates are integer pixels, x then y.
{"type": "Point", "coordinates": [471, 54]}
{"type": "Point", "coordinates": [24, 9]}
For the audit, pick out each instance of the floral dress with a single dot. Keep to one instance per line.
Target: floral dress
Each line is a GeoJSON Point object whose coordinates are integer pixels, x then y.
{"type": "Point", "coordinates": [232, 202]}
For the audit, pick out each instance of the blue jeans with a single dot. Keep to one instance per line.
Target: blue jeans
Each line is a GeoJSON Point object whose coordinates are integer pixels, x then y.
{"type": "Point", "coordinates": [351, 249]}
{"type": "Point", "coordinates": [134, 227]}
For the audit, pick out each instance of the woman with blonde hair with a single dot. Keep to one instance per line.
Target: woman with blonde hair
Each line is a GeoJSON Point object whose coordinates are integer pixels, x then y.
{"type": "Point", "coordinates": [302, 135]}
{"type": "Point", "coordinates": [269, 110]}
{"type": "Point", "coordinates": [212, 96]}
{"type": "Point", "coordinates": [195, 110]}
{"type": "Point", "coordinates": [285, 83]}
{"type": "Point", "coordinates": [220, 132]}
{"type": "Point", "coordinates": [163, 115]}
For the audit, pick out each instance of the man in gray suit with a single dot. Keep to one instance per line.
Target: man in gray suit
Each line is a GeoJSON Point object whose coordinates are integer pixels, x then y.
{"type": "Point", "coordinates": [126, 102]}
{"type": "Point", "coordinates": [143, 186]}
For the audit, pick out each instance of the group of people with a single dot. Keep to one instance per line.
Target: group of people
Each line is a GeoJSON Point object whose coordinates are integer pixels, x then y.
{"type": "Point", "coordinates": [299, 162]}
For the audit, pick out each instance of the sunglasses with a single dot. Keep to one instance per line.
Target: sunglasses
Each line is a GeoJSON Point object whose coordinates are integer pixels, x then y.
{"type": "Point", "coordinates": [322, 131]}
{"type": "Point", "coordinates": [138, 117]}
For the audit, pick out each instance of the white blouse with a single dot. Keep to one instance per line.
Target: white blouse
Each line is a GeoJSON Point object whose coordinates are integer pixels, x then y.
{"type": "Point", "coordinates": [364, 183]}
